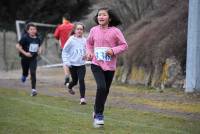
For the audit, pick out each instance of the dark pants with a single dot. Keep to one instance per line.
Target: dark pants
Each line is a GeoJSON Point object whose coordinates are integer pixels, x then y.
{"type": "Point", "coordinates": [78, 74]}
{"type": "Point", "coordinates": [103, 81]}
{"type": "Point", "coordinates": [32, 65]}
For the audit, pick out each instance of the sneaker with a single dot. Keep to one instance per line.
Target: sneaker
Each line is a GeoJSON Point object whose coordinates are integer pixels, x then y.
{"type": "Point", "coordinates": [71, 91]}
{"type": "Point", "coordinates": [82, 101]}
{"type": "Point", "coordinates": [66, 80]}
{"type": "Point", "coordinates": [98, 121]}
{"type": "Point", "coordinates": [33, 93]}
{"type": "Point", "coordinates": [23, 79]}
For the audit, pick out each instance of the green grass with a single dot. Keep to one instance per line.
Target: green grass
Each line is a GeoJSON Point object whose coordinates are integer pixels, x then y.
{"type": "Point", "coordinates": [22, 114]}
{"type": "Point", "coordinates": [180, 106]}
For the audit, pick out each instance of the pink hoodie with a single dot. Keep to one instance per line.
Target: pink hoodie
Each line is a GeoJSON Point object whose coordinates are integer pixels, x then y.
{"type": "Point", "coordinates": [110, 37]}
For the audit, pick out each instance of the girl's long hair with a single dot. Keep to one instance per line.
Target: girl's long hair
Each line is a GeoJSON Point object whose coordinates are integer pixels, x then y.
{"type": "Point", "coordinates": [114, 19]}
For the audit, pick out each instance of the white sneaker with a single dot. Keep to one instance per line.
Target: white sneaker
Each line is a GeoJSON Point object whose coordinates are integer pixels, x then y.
{"type": "Point", "coordinates": [98, 121]}
{"type": "Point", "coordinates": [33, 93]}
{"type": "Point", "coordinates": [82, 101]}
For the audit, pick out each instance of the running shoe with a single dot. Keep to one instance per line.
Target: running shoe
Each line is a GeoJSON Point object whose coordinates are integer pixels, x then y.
{"type": "Point", "coordinates": [33, 93]}
{"type": "Point", "coordinates": [98, 120]}
{"type": "Point", "coordinates": [23, 79]}
{"type": "Point", "coordinates": [82, 101]}
{"type": "Point", "coordinates": [71, 91]}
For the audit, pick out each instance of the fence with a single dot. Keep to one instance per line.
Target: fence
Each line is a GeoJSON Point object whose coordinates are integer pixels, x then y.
{"type": "Point", "coordinates": [9, 57]}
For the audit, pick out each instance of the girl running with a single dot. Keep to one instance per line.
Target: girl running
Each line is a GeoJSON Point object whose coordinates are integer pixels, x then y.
{"type": "Point", "coordinates": [73, 56]}
{"type": "Point", "coordinates": [104, 43]}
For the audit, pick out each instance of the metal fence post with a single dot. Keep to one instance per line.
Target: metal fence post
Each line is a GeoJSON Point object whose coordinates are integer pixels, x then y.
{"type": "Point", "coordinates": [193, 48]}
{"type": "Point", "coordinates": [4, 50]}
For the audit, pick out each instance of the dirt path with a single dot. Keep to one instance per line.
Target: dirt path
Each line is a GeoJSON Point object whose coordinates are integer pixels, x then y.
{"type": "Point", "coordinates": [50, 82]}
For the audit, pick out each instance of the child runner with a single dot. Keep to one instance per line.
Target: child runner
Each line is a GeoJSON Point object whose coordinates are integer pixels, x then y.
{"type": "Point", "coordinates": [29, 47]}
{"type": "Point", "coordinates": [73, 56]}
{"type": "Point", "coordinates": [62, 33]}
{"type": "Point", "coordinates": [104, 43]}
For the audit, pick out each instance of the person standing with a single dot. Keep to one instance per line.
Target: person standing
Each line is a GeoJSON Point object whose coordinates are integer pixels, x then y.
{"type": "Point", "coordinates": [73, 56]}
{"type": "Point", "coordinates": [62, 33]}
{"type": "Point", "coordinates": [104, 43]}
{"type": "Point", "coordinates": [29, 47]}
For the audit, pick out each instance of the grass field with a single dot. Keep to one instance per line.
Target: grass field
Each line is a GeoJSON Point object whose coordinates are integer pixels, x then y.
{"type": "Point", "coordinates": [22, 114]}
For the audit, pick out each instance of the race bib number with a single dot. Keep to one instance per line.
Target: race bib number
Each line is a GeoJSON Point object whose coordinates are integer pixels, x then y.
{"type": "Point", "coordinates": [100, 54]}
{"type": "Point", "coordinates": [33, 47]}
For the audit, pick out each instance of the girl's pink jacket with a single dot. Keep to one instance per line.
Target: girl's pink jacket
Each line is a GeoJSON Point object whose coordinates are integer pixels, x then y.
{"type": "Point", "coordinates": [110, 37]}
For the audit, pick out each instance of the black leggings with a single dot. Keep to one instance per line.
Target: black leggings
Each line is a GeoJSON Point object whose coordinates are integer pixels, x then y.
{"type": "Point", "coordinates": [78, 74]}
{"type": "Point", "coordinates": [103, 81]}
{"type": "Point", "coordinates": [32, 65]}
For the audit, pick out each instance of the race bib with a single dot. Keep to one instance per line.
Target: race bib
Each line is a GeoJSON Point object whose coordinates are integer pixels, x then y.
{"type": "Point", "coordinates": [33, 47]}
{"type": "Point", "coordinates": [100, 53]}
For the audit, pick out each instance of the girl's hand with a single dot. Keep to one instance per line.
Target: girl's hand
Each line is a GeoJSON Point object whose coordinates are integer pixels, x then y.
{"type": "Point", "coordinates": [89, 57]}
{"type": "Point", "coordinates": [109, 52]}
{"type": "Point", "coordinates": [28, 54]}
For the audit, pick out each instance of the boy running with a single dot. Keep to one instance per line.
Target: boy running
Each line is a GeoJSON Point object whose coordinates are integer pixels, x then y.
{"type": "Point", "coordinates": [29, 47]}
